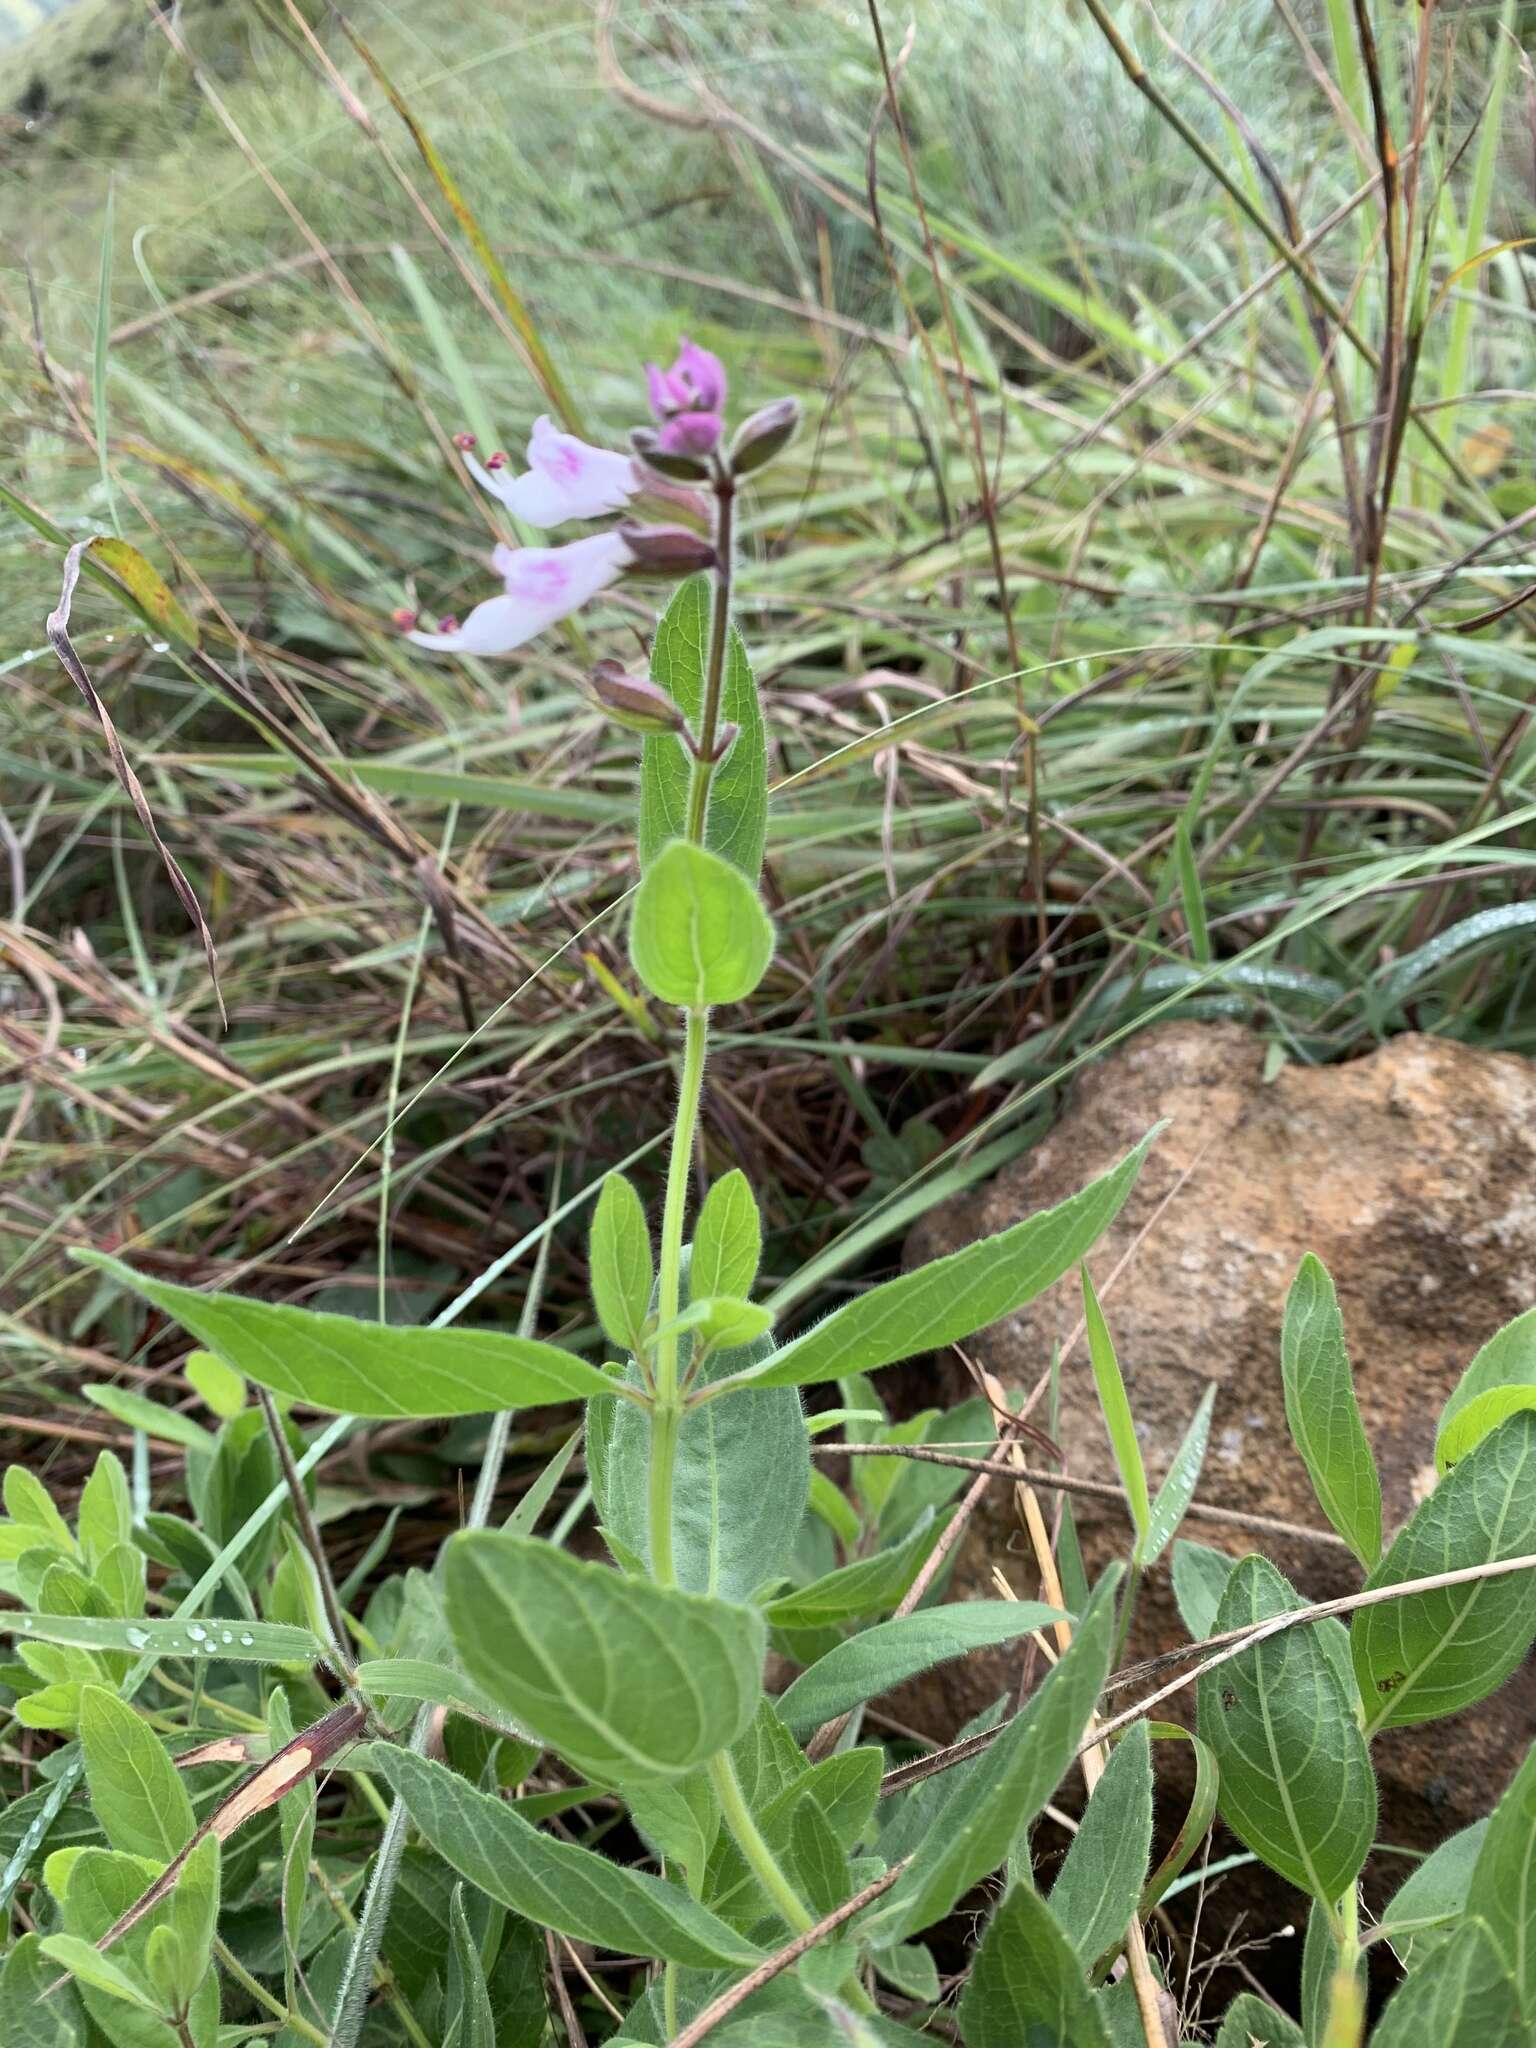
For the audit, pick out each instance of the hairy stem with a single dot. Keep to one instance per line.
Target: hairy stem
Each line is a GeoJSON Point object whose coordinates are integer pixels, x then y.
{"type": "Point", "coordinates": [714, 675]}
{"type": "Point", "coordinates": [666, 1411]}
{"type": "Point", "coordinates": [1346, 1996]}
{"type": "Point", "coordinates": [749, 1839]}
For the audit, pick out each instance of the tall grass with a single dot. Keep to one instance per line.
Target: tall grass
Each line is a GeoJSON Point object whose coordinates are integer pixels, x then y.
{"type": "Point", "coordinates": [1272, 775]}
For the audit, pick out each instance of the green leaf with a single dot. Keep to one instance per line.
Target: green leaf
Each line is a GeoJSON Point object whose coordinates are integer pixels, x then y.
{"type": "Point", "coordinates": [30, 1505]}
{"type": "Point", "coordinates": [698, 934]}
{"type": "Point", "coordinates": [620, 1263]}
{"type": "Point", "coordinates": [1116, 1410]}
{"type": "Point", "coordinates": [882, 1657]}
{"type": "Point", "coordinates": [86, 1962]}
{"type": "Point", "coordinates": [1500, 1381]}
{"type": "Point", "coordinates": [1418, 1913]}
{"type": "Point", "coordinates": [185, 1940]}
{"type": "Point", "coordinates": [1324, 1417]}
{"type": "Point", "coordinates": [625, 1679]}
{"type": "Point", "coordinates": [1251, 2022]}
{"type": "Point", "coordinates": [738, 796]}
{"type": "Point", "coordinates": [436, 1684]}
{"type": "Point", "coordinates": [680, 1818]}
{"type": "Point", "coordinates": [222, 1389]}
{"type": "Point", "coordinates": [1200, 1576]}
{"type": "Point", "coordinates": [863, 1587]}
{"type": "Point", "coordinates": [136, 1791]}
{"type": "Point", "coordinates": [556, 1884]}
{"type": "Point", "coordinates": [235, 1642]}
{"type": "Point", "coordinates": [972, 1830]}
{"type": "Point", "coordinates": [165, 1425]}
{"type": "Point", "coordinates": [106, 1512]}
{"type": "Point", "coordinates": [1462, 1997]}
{"type": "Point", "coordinates": [1296, 1781]}
{"type": "Point", "coordinates": [1430, 1654]}
{"type": "Point", "coordinates": [727, 1239]}
{"type": "Point", "coordinates": [740, 1480]}
{"type": "Point", "coordinates": [1178, 1488]}
{"type": "Point", "coordinates": [1026, 1987]}
{"type": "Point", "coordinates": [471, 2021]}
{"type": "Point", "coordinates": [1500, 1892]}
{"type": "Point", "coordinates": [375, 1369]}
{"type": "Point", "coordinates": [32, 2014]}
{"type": "Point", "coordinates": [1097, 1893]}
{"type": "Point", "coordinates": [954, 1297]}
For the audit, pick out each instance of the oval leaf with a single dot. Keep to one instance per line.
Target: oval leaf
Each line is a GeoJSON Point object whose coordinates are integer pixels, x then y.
{"type": "Point", "coordinates": [891, 1652]}
{"type": "Point", "coordinates": [699, 934]}
{"type": "Point", "coordinates": [1296, 1780]}
{"type": "Point", "coordinates": [1434, 1653]}
{"type": "Point", "coordinates": [625, 1679]}
{"type": "Point", "coordinates": [1027, 1983]}
{"type": "Point", "coordinates": [1323, 1414]}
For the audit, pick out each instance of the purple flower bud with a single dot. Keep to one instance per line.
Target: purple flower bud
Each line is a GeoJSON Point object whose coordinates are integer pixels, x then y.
{"type": "Point", "coordinates": [764, 435]}
{"type": "Point", "coordinates": [633, 701]}
{"type": "Point", "coordinates": [448, 623]}
{"type": "Point", "coordinates": [695, 382]}
{"type": "Point", "coordinates": [648, 447]}
{"type": "Point", "coordinates": [665, 550]}
{"type": "Point", "coordinates": [691, 433]}
{"type": "Point", "coordinates": [498, 460]}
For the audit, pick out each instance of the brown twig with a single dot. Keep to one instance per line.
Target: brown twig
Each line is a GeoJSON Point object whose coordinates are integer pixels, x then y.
{"type": "Point", "coordinates": [1091, 1489]}
{"type": "Point", "coordinates": [722, 2007]}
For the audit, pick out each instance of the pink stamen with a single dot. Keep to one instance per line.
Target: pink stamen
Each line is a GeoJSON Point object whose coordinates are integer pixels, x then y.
{"type": "Point", "coordinates": [405, 618]}
{"type": "Point", "coordinates": [498, 460]}
{"type": "Point", "coordinates": [448, 623]}
{"type": "Point", "coordinates": [464, 441]}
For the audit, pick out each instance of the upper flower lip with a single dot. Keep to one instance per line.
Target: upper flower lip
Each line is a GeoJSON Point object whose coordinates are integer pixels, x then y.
{"type": "Point", "coordinates": [565, 479]}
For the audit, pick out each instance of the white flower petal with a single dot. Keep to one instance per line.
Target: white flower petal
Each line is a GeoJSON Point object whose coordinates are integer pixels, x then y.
{"type": "Point", "coordinates": [567, 479]}
{"type": "Point", "coordinates": [494, 627]}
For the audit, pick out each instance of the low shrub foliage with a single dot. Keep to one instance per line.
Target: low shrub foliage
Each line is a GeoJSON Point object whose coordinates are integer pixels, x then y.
{"type": "Point", "coordinates": [526, 1791]}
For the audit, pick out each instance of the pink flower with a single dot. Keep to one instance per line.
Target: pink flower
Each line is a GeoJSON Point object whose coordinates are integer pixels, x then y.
{"type": "Point", "coordinates": [543, 586]}
{"type": "Point", "coordinates": [688, 400]}
{"type": "Point", "coordinates": [565, 479]}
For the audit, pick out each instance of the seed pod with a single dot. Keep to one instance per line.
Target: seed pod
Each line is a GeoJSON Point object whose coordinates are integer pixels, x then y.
{"type": "Point", "coordinates": [763, 436]}
{"type": "Point", "coordinates": [633, 701]}
{"type": "Point", "coordinates": [647, 446]}
{"type": "Point", "coordinates": [665, 550]}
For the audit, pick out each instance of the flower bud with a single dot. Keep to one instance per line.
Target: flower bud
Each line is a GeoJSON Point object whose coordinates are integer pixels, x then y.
{"type": "Point", "coordinates": [667, 462]}
{"type": "Point", "coordinates": [448, 623]}
{"type": "Point", "coordinates": [665, 550]}
{"type": "Point", "coordinates": [405, 618]}
{"type": "Point", "coordinates": [764, 435]}
{"type": "Point", "coordinates": [463, 442]}
{"type": "Point", "coordinates": [633, 701]}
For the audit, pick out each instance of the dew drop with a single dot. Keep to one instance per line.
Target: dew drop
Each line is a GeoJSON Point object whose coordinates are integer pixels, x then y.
{"type": "Point", "coordinates": [137, 1639]}
{"type": "Point", "coordinates": [197, 1632]}
{"type": "Point", "coordinates": [26, 1621]}
{"type": "Point", "coordinates": [248, 1639]}
{"type": "Point", "coordinates": [159, 646]}
{"type": "Point", "coordinates": [226, 1637]}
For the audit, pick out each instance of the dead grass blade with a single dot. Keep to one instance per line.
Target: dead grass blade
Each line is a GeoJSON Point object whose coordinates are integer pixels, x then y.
{"type": "Point", "coordinates": [58, 638]}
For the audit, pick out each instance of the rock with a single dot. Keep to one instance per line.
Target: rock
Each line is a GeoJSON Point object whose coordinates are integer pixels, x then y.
{"type": "Point", "coordinates": [1412, 1175]}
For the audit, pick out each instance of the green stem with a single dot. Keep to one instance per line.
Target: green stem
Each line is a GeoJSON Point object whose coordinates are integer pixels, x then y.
{"type": "Point", "coordinates": [667, 1411]}
{"type": "Point", "coordinates": [1346, 1996]}
{"type": "Point", "coordinates": [749, 1839]}
{"type": "Point", "coordinates": [714, 675]}
{"type": "Point", "coordinates": [233, 1967]}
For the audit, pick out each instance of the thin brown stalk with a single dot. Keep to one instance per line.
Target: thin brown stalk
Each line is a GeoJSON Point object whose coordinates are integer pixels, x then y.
{"type": "Point", "coordinates": [1231, 1645]}
{"type": "Point", "coordinates": [1090, 1489]}
{"type": "Point", "coordinates": [722, 2007]}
